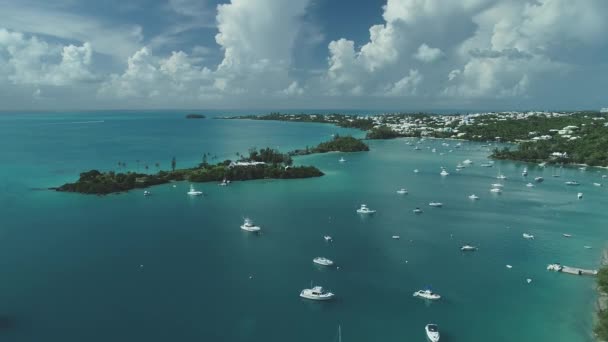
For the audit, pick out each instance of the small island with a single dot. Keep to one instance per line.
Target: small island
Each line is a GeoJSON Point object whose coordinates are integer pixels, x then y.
{"type": "Point", "coordinates": [337, 144]}
{"type": "Point", "coordinates": [263, 164]}
{"type": "Point", "coordinates": [266, 163]}
{"type": "Point", "coordinates": [195, 116]}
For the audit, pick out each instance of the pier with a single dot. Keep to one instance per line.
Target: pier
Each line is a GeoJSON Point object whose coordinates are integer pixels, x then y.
{"type": "Point", "coordinates": [571, 270]}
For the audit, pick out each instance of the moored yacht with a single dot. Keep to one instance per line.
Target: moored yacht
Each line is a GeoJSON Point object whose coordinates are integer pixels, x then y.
{"type": "Point", "coordinates": [365, 210]}
{"type": "Point", "coordinates": [528, 236]}
{"type": "Point", "coordinates": [432, 332]}
{"type": "Point", "coordinates": [444, 173]}
{"type": "Point", "coordinates": [416, 171]}
{"type": "Point", "coordinates": [474, 197]}
{"type": "Point", "coordinates": [501, 176]}
{"type": "Point", "coordinates": [249, 226]}
{"type": "Point", "coordinates": [579, 195]}
{"type": "Point", "coordinates": [496, 190]}
{"type": "Point", "coordinates": [402, 191]}
{"type": "Point", "coordinates": [323, 261]}
{"type": "Point", "coordinates": [539, 179]}
{"type": "Point", "coordinates": [468, 162]}
{"type": "Point", "coordinates": [147, 193]}
{"type": "Point", "coordinates": [417, 211]}
{"type": "Point", "coordinates": [316, 293]}
{"type": "Point", "coordinates": [194, 192]}
{"type": "Point", "coordinates": [497, 185]}
{"type": "Point", "coordinates": [427, 294]}
{"type": "Point", "coordinates": [524, 172]}
{"type": "Point", "coordinates": [530, 185]}
{"type": "Point", "coordinates": [486, 165]}
{"type": "Point", "coordinates": [328, 238]}
{"type": "Point", "coordinates": [572, 182]}
{"type": "Point", "coordinates": [342, 160]}
{"type": "Point", "coordinates": [468, 248]}
{"type": "Point", "coordinates": [436, 204]}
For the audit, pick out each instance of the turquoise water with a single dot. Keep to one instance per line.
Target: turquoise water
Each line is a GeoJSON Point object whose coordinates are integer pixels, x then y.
{"type": "Point", "coordinates": [172, 268]}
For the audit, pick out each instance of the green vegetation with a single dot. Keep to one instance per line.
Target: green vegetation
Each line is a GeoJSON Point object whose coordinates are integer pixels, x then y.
{"type": "Point", "coordinates": [342, 120]}
{"type": "Point", "coordinates": [273, 165]}
{"type": "Point", "coordinates": [601, 327]}
{"type": "Point", "coordinates": [195, 116]}
{"type": "Point", "coordinates": [382, 132]}
{"type": "Point", "coordinates": [337, 144]}
{"type": "Point", "coordinates": [589, 147]}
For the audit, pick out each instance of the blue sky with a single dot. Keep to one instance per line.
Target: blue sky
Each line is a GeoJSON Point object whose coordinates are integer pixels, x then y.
{"type": "Point", "coordinates": [272, 54]}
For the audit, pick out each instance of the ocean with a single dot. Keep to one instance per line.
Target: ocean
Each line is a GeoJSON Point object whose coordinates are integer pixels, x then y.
{"type": "Point", "coordinates": [169, 267]}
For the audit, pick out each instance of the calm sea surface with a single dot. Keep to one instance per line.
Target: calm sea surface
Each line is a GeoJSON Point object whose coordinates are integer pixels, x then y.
{"type": "Point", "coordinates": [168, 267]}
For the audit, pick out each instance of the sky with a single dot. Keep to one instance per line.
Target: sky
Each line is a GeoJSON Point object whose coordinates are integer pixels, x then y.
{"type": "Point", "coordinates": [404, 55]}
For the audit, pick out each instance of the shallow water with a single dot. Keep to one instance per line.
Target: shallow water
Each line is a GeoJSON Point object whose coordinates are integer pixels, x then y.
{"type": "Point", "coordinates": [169, 267]}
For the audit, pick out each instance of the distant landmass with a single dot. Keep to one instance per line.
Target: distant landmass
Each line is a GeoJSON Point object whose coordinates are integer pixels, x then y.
{"type": "Point", "coordinates": [195, 116]}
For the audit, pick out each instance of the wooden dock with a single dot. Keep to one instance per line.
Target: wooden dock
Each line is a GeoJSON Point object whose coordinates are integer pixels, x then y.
{"type": "Point", "coordinates": [573, 270]}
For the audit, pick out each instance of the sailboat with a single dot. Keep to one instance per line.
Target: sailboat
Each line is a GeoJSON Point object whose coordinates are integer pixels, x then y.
{"type": "Point", "coordinates": [500, 175]}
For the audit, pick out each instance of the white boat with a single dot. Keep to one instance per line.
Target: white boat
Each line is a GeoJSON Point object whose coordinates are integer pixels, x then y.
{"type": "Point", "coordinates": [444, 173]}
{"type": "Point", "coordinates": [497, 185]}
{"type": "Point", "coordinates": [528, 280]}
{"type": "Point", "coordinates": [587, 247]}
{"type": "Point", "coordinates": [474, 197]}
{"type": "Point", "coordinates": [316, 293]}
{"type": "Point", "coordinates": [147, 193]}
{"type": "Point", "coordinates": [566, 235]}
{"type": "Point", "coordinates": [417, 148]}
{"type": "Point", "coordinates": [579, 195]}
{"type": "Point", "coordinates": [528, 236]}
{"type": "Point", "coordinates": [460, 166]}
{"type": "Point", "coordinates": [249, 226]}
{"type": "Point", "coordinates": [524, 172]}
{"type": "Point", "coordinates": [194, 192]}
{"type": "Point", "coordinates": [434, 150]}
{"type": "Point", "coordinates": [496, 190]}
{"type": "Point", "coordinates": [509, 266]}
{"type": "Point", "coordinates": [342, 160]}
{"type": "Point", "coordinates": [328, 238]}
{"type": "Point", "coordinates": [436, 204]}
{"type": "Point", "coordinates": [468, 162]}
{"type": "Point", "coordinates": [432, 332]}
{"type": "Point", "coordinates": [572, 182]}
{"type": "Point", "coordinates": [417, 211]}
{"type": "Point", "coordinates": [530, 185]}
{"type": "Point", "coordinates": [365, 210]}
{"type": "Point", "coordinates": [427, 294]}
{"type": "Point", "coordinates": [468, 248]}
{"type": "Point", "coordinates": [597, 184]}
{"type": "Point", "coordinates": [583, 168]}
{"type": "Point", "coordinates": [501, 176]}
{"type": "Point", "coordinates": [539, 179]}
{"type": "Point", "coordinates": [396, 237]}
{"type": "Point", "coordinates": [402, 191]}
{"type": "Point", "coordinates": [323, 261]}
{"type": "Point", "coordinates": [604, 176]}
{"type": "Point", "coordinates": [224, 182]}
{"type": "Point", "coordinates": [554, 267]}
{"type": "Point", "coordinates": [416, 171]}
{"type": "Point", "coordinates": [543, 164]}
{"type": "Point", "coordinates": [486, 165]}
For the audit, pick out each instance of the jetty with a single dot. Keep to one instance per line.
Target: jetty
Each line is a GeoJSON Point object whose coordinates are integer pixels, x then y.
{"type": "Point", "coordinates": [571, 270]}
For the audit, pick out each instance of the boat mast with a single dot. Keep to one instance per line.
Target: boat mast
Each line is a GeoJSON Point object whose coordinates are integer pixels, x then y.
{"type": "Point", "coordinates": [339, 333]}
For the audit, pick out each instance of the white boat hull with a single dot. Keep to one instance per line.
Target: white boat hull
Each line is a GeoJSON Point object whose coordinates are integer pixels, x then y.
{"type": "Point", "coordinates": [251, 228]}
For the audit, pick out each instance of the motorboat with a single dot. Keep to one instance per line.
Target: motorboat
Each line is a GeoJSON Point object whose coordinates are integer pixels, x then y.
{"type": "Point", "coordinates": [460, 166]}
{"type": "Point", "coordinates": [444, 173]}
{"type": "Point", "coordinates": [528, 236]}
{"type": "Point", "coordinates": [396, 237]}
{"type": "Point", "coordinates": [328, 238]}
{"type": "Point", "coordinates": [436, 204]}
{"type": "Point", "coordinates": [249, 226]}
{"type": "Point", "coordinates": [530, 185]}
{"type": "Point", "coordinates": [509, 266]}
{"type": "Point", "coordinates": [524, 172]}
{"type": "Point", "coordinates": [468, 248]}
{"type": "Point", "coordinates": [555, 267]}
{"type": "Point", "coordinates": [474, 197]}
{"type": "Point", "coordinates": [486, 165]}
{"type": "Point", "coordinates": [427, 294]}
{"type": "Point", "coordinates": [468, 162]}
{"type": "Point", "coordinates": [365, 210]}
{"type": "Point", "coordinates": [323, 261]}
{"type": "Point", "coordinates": [497, 185]}
{"type": "Point", "coordinates": [597, 184]}
{"type": "Point", "coordinates": [579, 195]}
{"type": "Point", "coordinates": [147, 193]}
{"type": "Point", "coordinates": [316, 293]}
{"type": "Point", "coordinates": [194, 192]}
{"type": "Point", "coordinates": [417, 211]}
{"type": "Point", "coordinates": [572, 182]}
{"type": "Point", "coordinates": [496, 190]}
{"type": "Point", "coordinates": [342, 160]}
{"type": "Point", "coordinates": [528, 280]}
{"type": "Point", "coordinates": [402, 191]}
{"type": "Point", "coordinates": [432, 332]}
{"type": "Point", "coordinates": [539, 179]}
{"type": "Point", "coordinates": [566, 235]}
